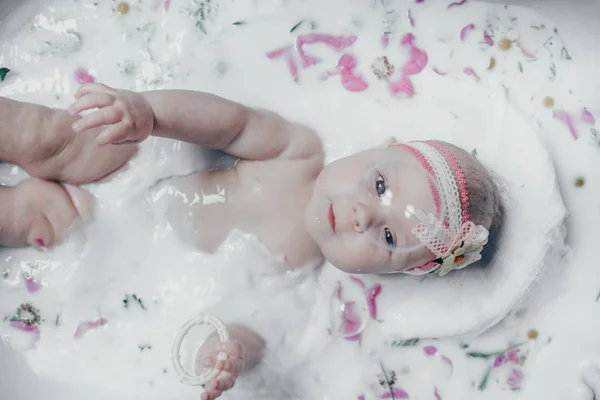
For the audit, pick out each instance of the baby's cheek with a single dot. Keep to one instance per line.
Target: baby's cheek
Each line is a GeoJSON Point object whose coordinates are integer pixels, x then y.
{"type": "Point", "coordinates": [358, 254]}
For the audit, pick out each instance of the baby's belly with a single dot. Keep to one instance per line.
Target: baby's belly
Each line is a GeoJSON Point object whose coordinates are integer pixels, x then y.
{"type": "Point", "coordinates": [195, 207]}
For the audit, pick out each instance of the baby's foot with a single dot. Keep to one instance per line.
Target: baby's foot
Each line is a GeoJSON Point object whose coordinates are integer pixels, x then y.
{"type": "Point", "coordinates": [57, 153]}
{"type": "Point", "coordinates": [38, 212]}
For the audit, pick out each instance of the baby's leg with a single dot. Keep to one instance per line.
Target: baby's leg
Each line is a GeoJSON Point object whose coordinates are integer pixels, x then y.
{"type": "Point", "coordinates": [37, 212]}
{"type": "Point", "coordinates": [42, 142]}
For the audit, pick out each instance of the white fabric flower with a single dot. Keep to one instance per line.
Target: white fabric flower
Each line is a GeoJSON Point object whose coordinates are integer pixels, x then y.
{"type": "Point", "coordinates": [468, 251]}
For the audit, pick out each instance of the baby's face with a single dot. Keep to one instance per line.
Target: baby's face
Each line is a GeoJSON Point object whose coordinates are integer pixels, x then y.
{"type": "Point", "coordinates": [360, 216]}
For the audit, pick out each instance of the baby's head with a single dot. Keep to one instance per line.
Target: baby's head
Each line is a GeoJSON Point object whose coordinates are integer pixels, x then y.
{"type": "Point", "coordinates": [372, 212]}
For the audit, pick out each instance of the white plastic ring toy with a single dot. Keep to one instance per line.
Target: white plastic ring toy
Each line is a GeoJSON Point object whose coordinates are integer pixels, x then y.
{"type": "Point", "coordinates": [210, 374]}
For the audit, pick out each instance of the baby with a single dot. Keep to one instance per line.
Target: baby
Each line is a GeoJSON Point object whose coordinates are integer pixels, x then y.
{"type": "Point", "coordinates": [40, 140]}
{"type": "Point", "coordinates": [414, 208]}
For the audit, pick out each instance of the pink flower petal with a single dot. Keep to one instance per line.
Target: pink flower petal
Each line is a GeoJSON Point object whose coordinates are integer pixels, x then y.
{"type": "Point", "coordinates": [448, 362]}
{"type": "Point", "coordinates": [339, 291]}
{"type": "Point", "coordinates": [82, 76]}
{"type": "Point", "coordinates": [515, 379]}
{"type": "Point", "coordinates": [565, 118]}
{"type": "Point", "coordinates": [354, 84]}
{"type": "Point", "coordinates": [351, 319]}
{"type": "Point", "coordinates": [361, 397]}
{"type": "Point", "coordinates": [513, 356]}
{"type": "Point", "coordinates": [471, 72]}
{"type": "Point", "coordinates": [499, 361]}
{"type": "Point", "coordinates": [410, 18]}
{"type": "Point", "coordinates": [288, 54]}
{"type": "Point", "coordinates": [436, 394]}
{"type": "Point", "coordinates": [84, 327]}
{"type": "Point", "coordinates": [419, 1]}
{"type": "Point", "coordinates": [358, 281]}
{"type": "Point", "coordinates": [351, 80]}
{"type": "Point", "coordinates": [488, 38]}
{"type": "Point", "coordinates": [407, 39]}
{"type": "Point", "coordinates": [167, 4]}
{"type": "Point", "coordinates": [465, 30]}
{"type": "Point", "coordinates": [587, 116]}
{"type": "Point", "coordinates": [418, 58]}
{"type": "Point", "coordinates": [373, 293]}
{"type": "Point", "coordinates": [398, 394]}
{"type": "Point", "coordinates": [32, 286]}
{"type": "Point", "coordinates": [437, 71]}
{"type": "Point", "coordinates": [354, 338]}
{"type": "Point", "coordinates": [385, 41]}
{"type": "Point", "coordinates": [460, 3]}
{"type": "Point", "coordinates": [417, 62]}
{"type": "Point", "coordinates": [336, 42]}
{"type": "Point", "coordinates": [27, 328]}
{"type": "Point", "coordinates": [527, 53]}
{"type": "Point", "coordinates": [404, 85]}
{"type": "Point", "coordinates": [430, 350]}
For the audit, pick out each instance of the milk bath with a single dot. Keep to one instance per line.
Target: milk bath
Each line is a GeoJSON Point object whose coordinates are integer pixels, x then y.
{"type": "Point", "coordinates": [131, 249]}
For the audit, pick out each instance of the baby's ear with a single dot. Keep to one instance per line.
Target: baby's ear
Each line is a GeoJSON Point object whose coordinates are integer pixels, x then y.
{"type": "Point", "coordinates": [389, 142]}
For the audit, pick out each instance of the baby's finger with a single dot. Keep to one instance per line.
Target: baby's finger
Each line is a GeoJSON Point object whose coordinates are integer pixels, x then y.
{"type": "Point", "coordinates": [113, 134]}
{"type": "Point", "coordinates": [209, 361]}
{"type": "Point", "coordinates": [104, 116]}
{"type": "Point", "coordinates": [92, 100]}
{"type": "Point", "coordinates": [211, 394]}
{"type": "Point", "coordinates": [235, 349]}
{"type": "Point", "coordinates": [88, 88]}
{"type": "Point", "coordinates": [233, 365]}
{"type": "Point", "coordinates": [225, 382]}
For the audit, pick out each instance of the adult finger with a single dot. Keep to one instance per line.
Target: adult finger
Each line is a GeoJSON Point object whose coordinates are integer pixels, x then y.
{"type": "Point", "coordinates": [92, 100]}
{"type": "Point", "coordinates": [104, 116]}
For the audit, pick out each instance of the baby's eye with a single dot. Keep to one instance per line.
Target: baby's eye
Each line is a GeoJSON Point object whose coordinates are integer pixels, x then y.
{"type": "Point", "coordinates": [380, 185]}
{"type": "Point", "coordinates": [389, 237]}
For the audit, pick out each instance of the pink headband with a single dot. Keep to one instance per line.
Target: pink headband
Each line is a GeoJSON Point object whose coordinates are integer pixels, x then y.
{"type": "Point", "coordinates": [455, 241]}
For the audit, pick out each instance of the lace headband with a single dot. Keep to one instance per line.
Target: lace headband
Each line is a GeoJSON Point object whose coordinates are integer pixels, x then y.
{"type": "Point", "coordinates": [455, 241]}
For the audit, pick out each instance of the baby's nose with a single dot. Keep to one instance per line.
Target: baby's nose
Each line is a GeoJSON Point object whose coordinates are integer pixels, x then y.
{"type": "Point", "coordinates": [362, 217]}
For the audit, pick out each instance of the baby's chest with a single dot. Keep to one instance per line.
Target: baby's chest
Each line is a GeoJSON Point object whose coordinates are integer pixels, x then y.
{"type": "Point", "coordinates": [277, 199]}
{"type": "Point", "coordinates": [275, 189]}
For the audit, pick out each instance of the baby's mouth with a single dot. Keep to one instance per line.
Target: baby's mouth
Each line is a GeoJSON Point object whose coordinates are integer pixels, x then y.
{"type": "Point", "coordinates": [331, 217]}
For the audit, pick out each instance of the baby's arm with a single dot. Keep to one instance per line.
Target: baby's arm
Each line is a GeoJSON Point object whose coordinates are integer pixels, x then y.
{"type": "Point", "coordinates": [221, 124]}
{"type": "Point", "coordinates": [244, 351]}
{"type": "Point", "coordinates": [194, 117]}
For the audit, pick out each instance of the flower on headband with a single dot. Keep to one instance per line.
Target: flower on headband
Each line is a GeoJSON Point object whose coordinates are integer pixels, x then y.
{"type": "Point", "coordinates": [466, 251]}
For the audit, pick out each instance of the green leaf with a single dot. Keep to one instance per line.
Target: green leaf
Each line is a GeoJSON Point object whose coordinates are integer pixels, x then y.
{"type": "Point", "coordinates": [3, 72]}
{"type": "Point", "coordinates": [484, 381]}
{"type": "Point", "coordinates": [475, 354]}
{"type": "Point", "coordinates": [296, 26]}
{"type": "Point", "coordinates": [238, 23]}
{"type": "Point", "coordinates": [405, 343]}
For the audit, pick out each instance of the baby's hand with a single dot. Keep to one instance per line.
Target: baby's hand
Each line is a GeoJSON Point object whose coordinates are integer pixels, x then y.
{"type": "Point", "coordinates": [229, 369]}
{"type": "Point", "coordinates": [128, 116]}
